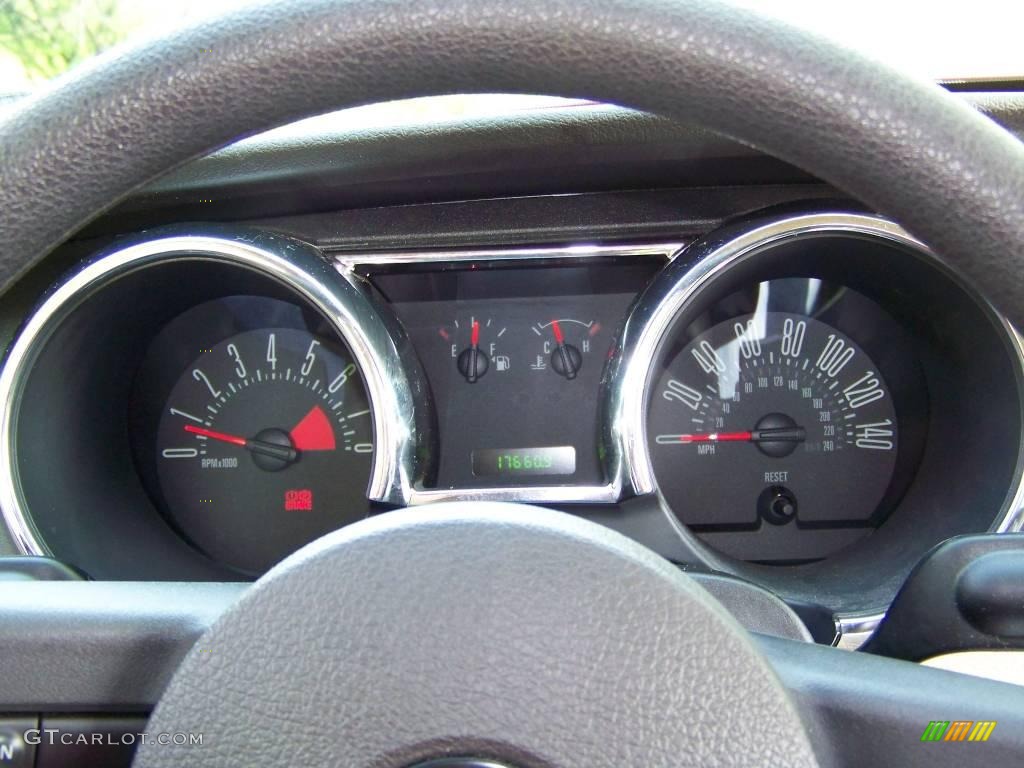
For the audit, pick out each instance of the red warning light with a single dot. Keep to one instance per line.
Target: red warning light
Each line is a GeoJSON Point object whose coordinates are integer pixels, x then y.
{"type": "Point", "coordinates": [298, 500]}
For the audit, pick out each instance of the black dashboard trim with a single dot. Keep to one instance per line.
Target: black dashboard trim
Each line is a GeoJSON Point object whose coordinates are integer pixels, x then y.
{"type": "Point", "coordinates": [326, 166]}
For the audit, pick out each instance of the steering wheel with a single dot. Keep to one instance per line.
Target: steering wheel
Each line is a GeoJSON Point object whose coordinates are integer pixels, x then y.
{"type": "Point", "coordinates": [504, 634]}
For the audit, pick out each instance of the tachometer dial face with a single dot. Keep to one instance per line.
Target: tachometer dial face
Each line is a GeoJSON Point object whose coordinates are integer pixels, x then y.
{"type": "Point", "coordinates": [264, 444]}
{"type": "Point", "coordinates": [772, 419]}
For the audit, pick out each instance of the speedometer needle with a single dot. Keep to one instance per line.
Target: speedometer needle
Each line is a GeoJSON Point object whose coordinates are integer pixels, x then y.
{"type": "Point", "coordinates": [283, 452]}
{"type": "Point", "coordinates": [777, 434]}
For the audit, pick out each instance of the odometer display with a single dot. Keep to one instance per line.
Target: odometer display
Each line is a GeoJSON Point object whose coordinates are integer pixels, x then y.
{"type": "Point", "coordinates": [516, 462]}
{"type": "Point", "coordinates": [772, 419]}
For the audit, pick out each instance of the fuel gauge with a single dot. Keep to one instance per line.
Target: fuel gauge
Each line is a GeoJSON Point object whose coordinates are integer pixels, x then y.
{"type": "Point", "coordinates": [474, 345]}
{"type": "Point", "coordinates": [566, 343]}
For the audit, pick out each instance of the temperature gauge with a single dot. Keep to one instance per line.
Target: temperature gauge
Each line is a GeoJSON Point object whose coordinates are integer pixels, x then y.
{"type": "Point", "coordinates": [473, 344]}
{"type": "Point", "coordinates": [565, 345]}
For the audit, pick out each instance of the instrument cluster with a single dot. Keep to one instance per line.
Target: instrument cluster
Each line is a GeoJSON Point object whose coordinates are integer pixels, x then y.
{"type": "Point", "coordinates": [513, 356]}
{"type": "Point", "coordinates": [807, 400]}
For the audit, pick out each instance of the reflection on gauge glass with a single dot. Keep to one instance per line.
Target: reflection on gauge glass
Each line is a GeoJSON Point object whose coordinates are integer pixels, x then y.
{"type": "Point", "coordinates": [263, 444]}
{"type": "Point", "coordinates": [772, 421]}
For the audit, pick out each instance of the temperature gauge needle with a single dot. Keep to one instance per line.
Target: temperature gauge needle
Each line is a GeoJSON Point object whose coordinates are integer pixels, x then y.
{"type": "Point", "coordinates": [779, 434]}
{"type": "Point", "coordinates": [282, 452]}
{"type": "Point", "coordinates": [566, 357]}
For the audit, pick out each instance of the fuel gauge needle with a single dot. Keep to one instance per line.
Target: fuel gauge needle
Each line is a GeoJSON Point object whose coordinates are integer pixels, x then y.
{"type": "Point", "coordinates": [474, 352]}
{"type": "Point", "coordinates": [283, 452]}
{"type": "Point", "coordinates": [473, 362]}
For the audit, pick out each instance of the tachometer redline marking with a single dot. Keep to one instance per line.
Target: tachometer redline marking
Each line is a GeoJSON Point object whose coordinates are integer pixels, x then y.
{"type": "Point", "coordinates": [314, 432]}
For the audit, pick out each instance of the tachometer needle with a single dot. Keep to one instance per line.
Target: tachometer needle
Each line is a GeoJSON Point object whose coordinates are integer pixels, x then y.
{"type": "Point", "coordinates": [780, 434]}
{"type": "Point", "coordinates": [283, 452]}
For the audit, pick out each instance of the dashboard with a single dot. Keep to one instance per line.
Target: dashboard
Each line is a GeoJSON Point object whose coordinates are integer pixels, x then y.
{"type": "Point", "coordinates": [753, 401]}
{"type": "Point", "coordinates": [584, 397]}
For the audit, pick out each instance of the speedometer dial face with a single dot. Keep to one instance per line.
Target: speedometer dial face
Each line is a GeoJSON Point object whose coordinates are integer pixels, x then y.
{"type": "Point", "coordinates": [264, 444]}
{"type": "Point", "coordinates": [772, 419]}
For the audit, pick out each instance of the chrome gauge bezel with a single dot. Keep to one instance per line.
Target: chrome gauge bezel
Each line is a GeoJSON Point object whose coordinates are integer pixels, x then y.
{"type": "Point", "coordinates": [401, 415]}
{"type": "Point", "coordinates": [678, 287]}
{"type": "Point", "coordinates": [610, 492]}
{"type": "Point", "coordinates": [682, 282]}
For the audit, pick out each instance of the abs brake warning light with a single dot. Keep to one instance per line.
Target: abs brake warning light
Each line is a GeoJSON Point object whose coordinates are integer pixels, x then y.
{"type": "Point", "coordinates": [300, 500]}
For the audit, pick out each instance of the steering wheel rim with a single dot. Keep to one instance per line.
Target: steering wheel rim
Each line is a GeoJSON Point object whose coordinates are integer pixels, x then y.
{"type": "Point", "coordinates": [950, 176]}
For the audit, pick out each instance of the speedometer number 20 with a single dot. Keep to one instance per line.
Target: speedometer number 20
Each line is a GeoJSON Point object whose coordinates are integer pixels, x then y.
{"type": "Point", "coordinates": [676, 391]}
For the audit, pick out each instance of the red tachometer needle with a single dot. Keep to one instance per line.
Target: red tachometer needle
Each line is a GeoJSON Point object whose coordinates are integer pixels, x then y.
{"type": "Point", "coordinates": [233, 439]}
{"type": "Point", "coordinates": [285, 453]}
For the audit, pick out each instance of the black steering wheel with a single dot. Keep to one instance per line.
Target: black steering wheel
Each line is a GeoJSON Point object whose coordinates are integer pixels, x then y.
{"type": "Point", "coordinates": [511, 634]}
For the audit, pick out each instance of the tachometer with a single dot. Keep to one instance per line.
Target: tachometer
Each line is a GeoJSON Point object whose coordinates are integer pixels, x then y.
{"type": "Point", "coordinates": [772, 418]}
{"type": "Point", "coordinates": [264, 444]}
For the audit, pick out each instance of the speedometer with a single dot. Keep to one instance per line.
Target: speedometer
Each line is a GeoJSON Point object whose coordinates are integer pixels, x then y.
{"type": "Point", "coordinates": [772, 418]}
{"type": "Point", "coordinates": [797, 395]}
{"type": "Point", "coordinates": [786, 405]}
